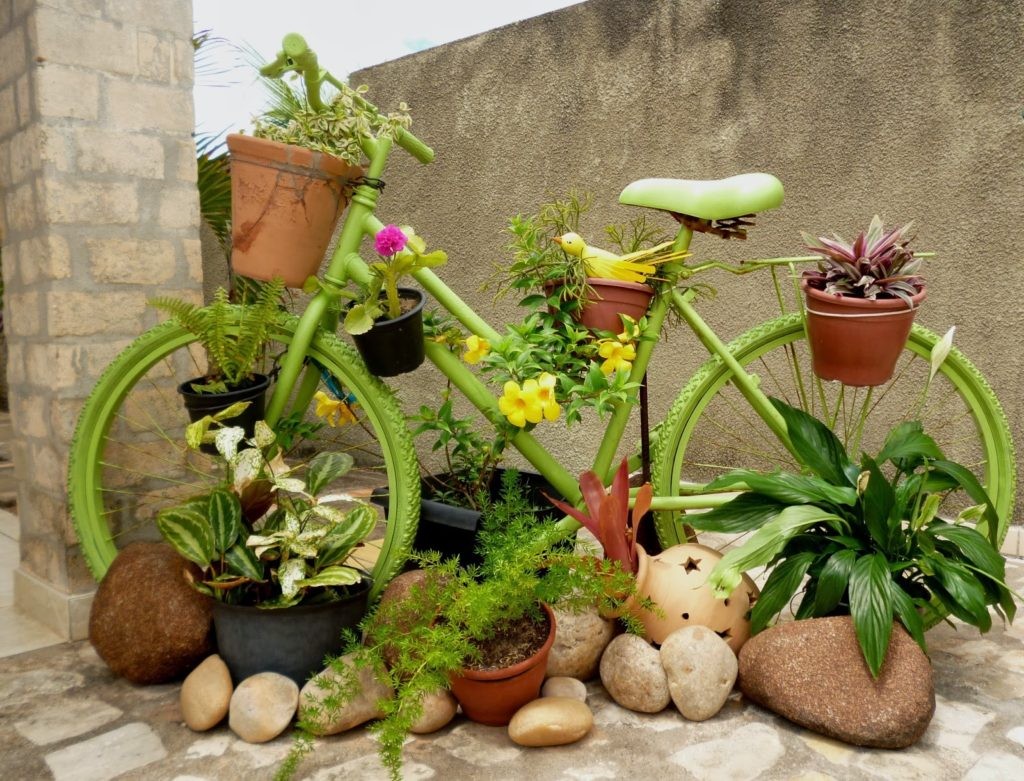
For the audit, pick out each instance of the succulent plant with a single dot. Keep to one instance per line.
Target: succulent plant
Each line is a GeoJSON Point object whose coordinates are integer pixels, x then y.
{"type": "Point", "coordinates": [877, 264]}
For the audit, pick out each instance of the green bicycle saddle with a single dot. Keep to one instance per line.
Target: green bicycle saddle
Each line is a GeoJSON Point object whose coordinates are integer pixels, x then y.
{"type": "Point", "coordinates": [713, 199]}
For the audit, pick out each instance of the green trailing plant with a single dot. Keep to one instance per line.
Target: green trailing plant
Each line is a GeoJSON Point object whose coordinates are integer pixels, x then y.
{"type": "Point", "coordinates": [877, 264]}
{"type": "Point", "coordinates": [233, 351]}
{"type": "Point", "coordinates": [867, 535]}
{"type": "Point", "coordinates": [264, 535]}
{"type": "Point", "coordinates": [444, 623]}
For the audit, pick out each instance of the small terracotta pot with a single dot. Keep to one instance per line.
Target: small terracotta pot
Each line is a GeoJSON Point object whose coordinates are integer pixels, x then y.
{"type": "Point", "coordinates": [609, 299]}
{"type": "Point", "coordinates": [676, 581]}
{"type": "Point", "coordinates": [285, 201]}
{"type": "Point", "coordinates": [493, 696]}
{"type": "Point", "coordinates": [857, 341]}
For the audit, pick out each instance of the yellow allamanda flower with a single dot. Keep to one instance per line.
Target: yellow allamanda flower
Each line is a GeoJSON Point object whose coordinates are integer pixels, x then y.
{"type": "Point", "coordinates": [333, 412]}
{"type": "Point", "coordinates": [476, 348]}
{"type": "Point", "coordinates": [631, 331]}
{"type": "Point", "coordinates": [618, 356]}
{"type": "Point", "coordinates": [521, 405]}
{"type": "Point", "coordinates": [546, 396]}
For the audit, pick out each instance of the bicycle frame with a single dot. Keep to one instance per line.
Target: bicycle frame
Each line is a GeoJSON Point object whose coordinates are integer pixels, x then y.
{"type": "Point", "coordinates": [346, 264]}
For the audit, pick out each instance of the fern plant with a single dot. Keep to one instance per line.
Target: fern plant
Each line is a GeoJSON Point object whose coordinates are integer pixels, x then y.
{"type": "Point", "coordinates": [234, 337]}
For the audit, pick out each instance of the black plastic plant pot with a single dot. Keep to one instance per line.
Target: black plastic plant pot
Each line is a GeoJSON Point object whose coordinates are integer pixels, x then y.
{"type": "Point", "coordinates": [200, 405]}
{"type": "Point", "coordinates": [292, 641]}
{"type": "Point", "coordinates": [394, 347]}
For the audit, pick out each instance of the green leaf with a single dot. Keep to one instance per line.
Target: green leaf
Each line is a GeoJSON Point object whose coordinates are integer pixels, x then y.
{"type": "Point", "coordinates": [976, 491]}
{"type": "Point", "coordinates": [787, 488]}
{"type": "Point", "coordinates": [779, 590]}
{"type": "Point", "coordinates": [189, 533]}
{"type": "Point", "coordinates": [764, 545]}
{"type": "Point", "coordinates": [325, 468]}
{"type": "Point", "coordinates": [908, 614]}
{"type": "Point", "coordinates": [289, 574]}
{"type": "Point", "coordinates": [225, 514]}
{"type": "Point", "coordinates": [358, 319]}
{"type": "Point", "coordinates": [332, 576]}
{"type": "Point", "coordinates": [833, 581]}
{"type": "Point", "coordinates": [907, 446]}
{"type": "Point", "coordinates": [243, 561]}
{"type": "Point", "coordinates": [877, 501]}
{"type": "Point", "coordinates": [963, 588]}
{"type": "Point", "coordinates": [871, 608]}
{"type": "Point", "coordinates": [746, 512]}
{"type": "Point", "coordinates": [816, 446]}
{"type": "Point", "coordinates": [337, 545]}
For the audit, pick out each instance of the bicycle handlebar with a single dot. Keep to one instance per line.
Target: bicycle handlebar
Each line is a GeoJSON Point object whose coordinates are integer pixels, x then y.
{"type": "Point", "coordinates": [295, 55]}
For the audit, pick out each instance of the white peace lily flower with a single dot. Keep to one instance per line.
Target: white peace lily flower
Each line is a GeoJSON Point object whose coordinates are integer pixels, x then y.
{"type": "Point", "coordinates": [940, 351]}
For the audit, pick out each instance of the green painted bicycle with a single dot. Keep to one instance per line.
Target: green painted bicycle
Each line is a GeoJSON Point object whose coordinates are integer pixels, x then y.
{"type": "Point", "coordinates": [128, 458]}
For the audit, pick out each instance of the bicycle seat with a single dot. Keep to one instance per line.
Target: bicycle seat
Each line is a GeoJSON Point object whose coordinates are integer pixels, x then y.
{"type": "Point", "coordinates": [713, 199]}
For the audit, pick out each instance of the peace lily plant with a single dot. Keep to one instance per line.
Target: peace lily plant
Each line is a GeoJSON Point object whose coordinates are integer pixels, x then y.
{"type": "Point", "coordinates": [266, 534]}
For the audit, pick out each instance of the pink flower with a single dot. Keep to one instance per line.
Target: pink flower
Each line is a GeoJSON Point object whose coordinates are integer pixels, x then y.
{"type": "Point", "coordinates": [390, 240]}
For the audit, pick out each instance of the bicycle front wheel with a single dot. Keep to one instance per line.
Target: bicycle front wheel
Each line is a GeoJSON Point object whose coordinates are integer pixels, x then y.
{"type": "Point", "coordinates": [711, 428]}
{"type": "Point", "coordinates": [128, 457]}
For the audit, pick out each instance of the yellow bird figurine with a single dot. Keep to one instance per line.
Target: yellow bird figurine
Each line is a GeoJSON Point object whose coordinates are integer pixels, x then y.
{"type": "Point", "coordinates": [631, 267]}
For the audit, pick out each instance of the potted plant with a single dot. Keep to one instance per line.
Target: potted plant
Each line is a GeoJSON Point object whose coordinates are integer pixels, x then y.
{"type": "Point", "coordinates": [234, 353]}
{"type": "Point", "coordinates": [861, 303]}
{"type": "Point", "coordinates": [672, 590]}
{"type": "Point", "coordinates": [292, 178]}
{"type": "Point", "coordinates": [385, 320]}
{"type": "Point", "coordinates": [271, 548]}
{"type": "Point", "coordinates": [867, 535]}
{"type": "Point", "coordinates": [443, 631]}
{"type": "Point", "coordinates": [555, 267]}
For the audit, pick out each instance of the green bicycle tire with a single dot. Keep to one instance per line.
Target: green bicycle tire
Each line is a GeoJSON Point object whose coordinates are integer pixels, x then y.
{"type": "Point", "coordinates": [87, 490]}
{"type": "Point", "coordinates": [676, 435]}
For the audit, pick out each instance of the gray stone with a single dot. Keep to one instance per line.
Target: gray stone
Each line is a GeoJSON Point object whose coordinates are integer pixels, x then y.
{"type": "Point", "coordinates": [206, 694]}
{"type": "Point", "coordinates": [438, 710]}
{"type": "Point", "coordinates": [701, 670]}
{"type": "Point", "coordinates": [580, 639]}
{"type": "Point", "coordinates": [550, 721]}
{"type": "Point", "coordinates": [359, 709]}
{"type": "Point", "coordinates": [562, 686]}
{"type": "Point", "coordinates": [631, 671]}
{"type": "Point", "coordinates": [108, 755]}
{"type": "Point", "coordinates": [812, 672]}
{"type": "Point", "coordinates": [262, 707]}
{"type": "Point", "coordinates": [65, 719]}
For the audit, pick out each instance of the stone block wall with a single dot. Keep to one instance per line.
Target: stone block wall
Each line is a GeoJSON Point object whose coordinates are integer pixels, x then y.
{"type": "Point", "coordinates": [99, 213]}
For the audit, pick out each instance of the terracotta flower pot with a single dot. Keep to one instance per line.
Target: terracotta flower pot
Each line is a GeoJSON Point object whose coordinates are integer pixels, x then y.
{"type": "Point", "coordinates": [285, 201]}
{"type": "Point", "coordinates": [854, 340]}
{"type": "Point", "coordinates": [676, 580]}
{"type": "Point", "coordinates": [493, 696]}
{"type": "Point", "coordinates": [609, 299]}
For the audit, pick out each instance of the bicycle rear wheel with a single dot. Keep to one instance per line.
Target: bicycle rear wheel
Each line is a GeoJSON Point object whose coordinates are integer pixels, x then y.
{"type": "Point", "coordinates": [128, 457]}
{"type": "Point", "coordinates": [711, 428]}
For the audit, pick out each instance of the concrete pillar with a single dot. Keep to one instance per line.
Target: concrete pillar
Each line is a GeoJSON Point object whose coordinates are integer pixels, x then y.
{"type": "Point", "coordinates": [100, 212]}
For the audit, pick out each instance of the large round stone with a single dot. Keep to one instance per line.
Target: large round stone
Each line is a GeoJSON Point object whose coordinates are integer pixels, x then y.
{"type": "Point", "coordinates": [580, 639]}
{"type": "Point", "coordinates": [147, 623]}
{"type": "Point", "coordinates": [812, 672]}
{"type": "Point", "coordinates": [206, 694]}
{"type": "Point", "coordinates": [360, 682]}
{"type": "Point", "coordinates": [438, 709]}
{"type": "Point", "coordinates": [263, 706]}
{"type": "Point", "coordinates": [701, 670]}
{"type": "Point", "coordinates": [631, 671]}
{"type": "Point", "coordinates": [550, 721]}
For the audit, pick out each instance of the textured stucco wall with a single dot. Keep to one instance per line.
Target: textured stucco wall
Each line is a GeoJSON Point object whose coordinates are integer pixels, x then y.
{"type": "Point", "coordinates": [909, 110]}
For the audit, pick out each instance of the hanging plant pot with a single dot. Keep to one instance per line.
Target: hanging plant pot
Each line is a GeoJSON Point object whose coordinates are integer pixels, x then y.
{"type": "Point", "coordinates": [285, 201]}
{"type": "Point", "coordinates": [394, 347]}
{"type": "Point", "coordinates": [607, 299]}
{"type": "Point", "coordinates": [676, 580]}
{"type": "Point", "coordinates": [493, 696]}
{"type": "Point", "coordinates": [292, 641]}
{"type": "Point", "coordinates": [198, 405]}
{"type": "Point", "coordinates": [854, 340]}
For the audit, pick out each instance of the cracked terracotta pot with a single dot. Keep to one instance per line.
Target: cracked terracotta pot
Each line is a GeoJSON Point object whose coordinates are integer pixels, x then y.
{"type": "Point", "coordinates": [676, 580]}
{"type": "Point", "coordinates": [285, 201]}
